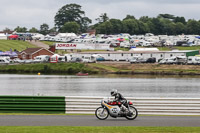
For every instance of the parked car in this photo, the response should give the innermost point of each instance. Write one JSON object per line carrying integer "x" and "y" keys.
{"x": 151, "y": 60}
{"x": 171, "y": 60}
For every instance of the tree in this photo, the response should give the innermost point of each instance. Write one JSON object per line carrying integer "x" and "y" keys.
{"x": 71, "y": 13}
{"x": 70, "y": 27}
{"x": 20, "y": 29}
{"x": 85, "y": 21}
{"x": 180, "y": 28}
{"x": 145, "y": 19}
{"x": 129, "y": 17}
{"x": 130, "y": 26}
{"x": 33, "y": 30}
{"x": 180, "y": 19}
{"x": 7, "y": 30}
{"x": 44, "y": 29}
{"x": 102, "y": 18}
{"x": 143, "y": 27}
{"x": 116, "y": 26}
{"x": 104, "y": 28}
{"x": 158, "y": 26}
{"x": 52, "y": 30}
{"x": 193, "y": 27}
{"x": 167, "y": 16}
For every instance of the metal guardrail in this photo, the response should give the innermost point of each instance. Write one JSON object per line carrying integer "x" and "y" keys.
{"x": 32, "y": 104}
{"x": 145, "y": 106}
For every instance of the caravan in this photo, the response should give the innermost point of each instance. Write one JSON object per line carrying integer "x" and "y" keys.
{"x": 4, "y": 60}
{"x": 89, "y": 59}
{"x": 193, "y": 60}
{"x": 41, "y": 58}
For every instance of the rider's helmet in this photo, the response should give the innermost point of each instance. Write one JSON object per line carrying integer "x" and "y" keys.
{"x": 113, "y": 92}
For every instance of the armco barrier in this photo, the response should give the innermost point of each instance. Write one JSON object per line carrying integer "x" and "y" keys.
{"x": 145, "y": 106}
{"x": 32, "y": 104}
{"x": 88, "y": 105}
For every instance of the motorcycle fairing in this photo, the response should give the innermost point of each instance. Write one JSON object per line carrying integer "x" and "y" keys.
{"x": 113, "y": 109}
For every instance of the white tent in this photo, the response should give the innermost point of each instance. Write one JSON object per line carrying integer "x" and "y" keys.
{"x": 66, "y": 35}
{"x": 3, "y": 36}
{"x": 38, "y": 36}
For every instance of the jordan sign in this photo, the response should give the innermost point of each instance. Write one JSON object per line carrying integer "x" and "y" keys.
{"x": 90, "y": 46}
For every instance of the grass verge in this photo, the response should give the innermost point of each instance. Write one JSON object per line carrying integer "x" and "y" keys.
{"x": 48, "y": 68}
{"x": 70, "y": 129}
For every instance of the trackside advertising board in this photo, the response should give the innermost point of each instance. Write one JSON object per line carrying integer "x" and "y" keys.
{"x": 92, "y": 46}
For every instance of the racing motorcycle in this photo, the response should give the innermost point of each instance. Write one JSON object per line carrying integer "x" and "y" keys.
{"x": 114, "y": 109}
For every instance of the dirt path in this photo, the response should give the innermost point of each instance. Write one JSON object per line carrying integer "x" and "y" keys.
{"x": 39, "y": 44}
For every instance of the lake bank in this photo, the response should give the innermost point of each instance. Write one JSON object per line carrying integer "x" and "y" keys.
{"x": 102, "y": 68}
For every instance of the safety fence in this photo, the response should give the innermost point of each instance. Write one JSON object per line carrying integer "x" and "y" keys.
{"x": 145, "y": 106}
{"x": 88, "y": 105}
{"x": 32, "y": 104}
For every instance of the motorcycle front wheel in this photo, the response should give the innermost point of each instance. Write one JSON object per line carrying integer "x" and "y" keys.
{"x": 101, "y": 113}
{"x": 134, "y": 113}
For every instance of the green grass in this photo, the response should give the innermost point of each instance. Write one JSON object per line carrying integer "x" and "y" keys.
{"x": 123, "y": 49}
{"x": 73, "y": 129}
{"x": 6, "y": 45}
{"x": 49, "y": 43}
{"x": 103, "y": 67}
{"x": 164, "y": 48}
{"x": 188, "y": 48}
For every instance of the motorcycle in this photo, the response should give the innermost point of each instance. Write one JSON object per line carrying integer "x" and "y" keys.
{"x": 115, "y": 109}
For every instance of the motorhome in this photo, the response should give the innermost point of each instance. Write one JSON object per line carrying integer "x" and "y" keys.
{"x": 89, "y": 59}
{"x": 4, "y": 60}
{"x": 193, "y": 60}
{"x": 174, "y": 60}
{"x": 42, "y": 58}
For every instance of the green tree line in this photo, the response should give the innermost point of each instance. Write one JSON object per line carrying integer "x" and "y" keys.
{"x": 163, "y": 24}
{"x": 71, "y": 18}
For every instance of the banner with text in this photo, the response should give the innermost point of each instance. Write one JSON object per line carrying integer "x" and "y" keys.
{"x": 92, "y": 46}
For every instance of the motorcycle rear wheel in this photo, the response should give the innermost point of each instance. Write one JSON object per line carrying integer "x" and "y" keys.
{"x": 101, "y": 113}
{"x": 134, "y": 115}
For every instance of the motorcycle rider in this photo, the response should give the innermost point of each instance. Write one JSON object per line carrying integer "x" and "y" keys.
{"x": 119, "y": 98}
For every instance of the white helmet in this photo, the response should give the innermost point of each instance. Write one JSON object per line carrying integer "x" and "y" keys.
{"x": 113, "y": 92}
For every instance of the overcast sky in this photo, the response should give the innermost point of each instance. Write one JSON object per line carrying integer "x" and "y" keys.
{"x": 33, "y": 13}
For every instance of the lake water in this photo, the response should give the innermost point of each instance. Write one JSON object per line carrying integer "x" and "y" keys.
{"x": 129, "y": 86}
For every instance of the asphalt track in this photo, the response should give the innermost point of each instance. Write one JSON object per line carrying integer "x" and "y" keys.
{"x": 89, "y": 120}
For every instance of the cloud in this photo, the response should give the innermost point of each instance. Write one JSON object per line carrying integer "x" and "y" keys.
{"x": 34, "y": 13}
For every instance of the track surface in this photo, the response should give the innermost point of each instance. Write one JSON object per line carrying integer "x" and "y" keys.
{"x": 87, "y": 120}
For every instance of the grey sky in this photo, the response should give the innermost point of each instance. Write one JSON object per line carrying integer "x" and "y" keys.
{"x": 33, "y": 13}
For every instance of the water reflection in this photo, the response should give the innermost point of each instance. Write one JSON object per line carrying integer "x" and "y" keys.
{"x": 129, "y": 85}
